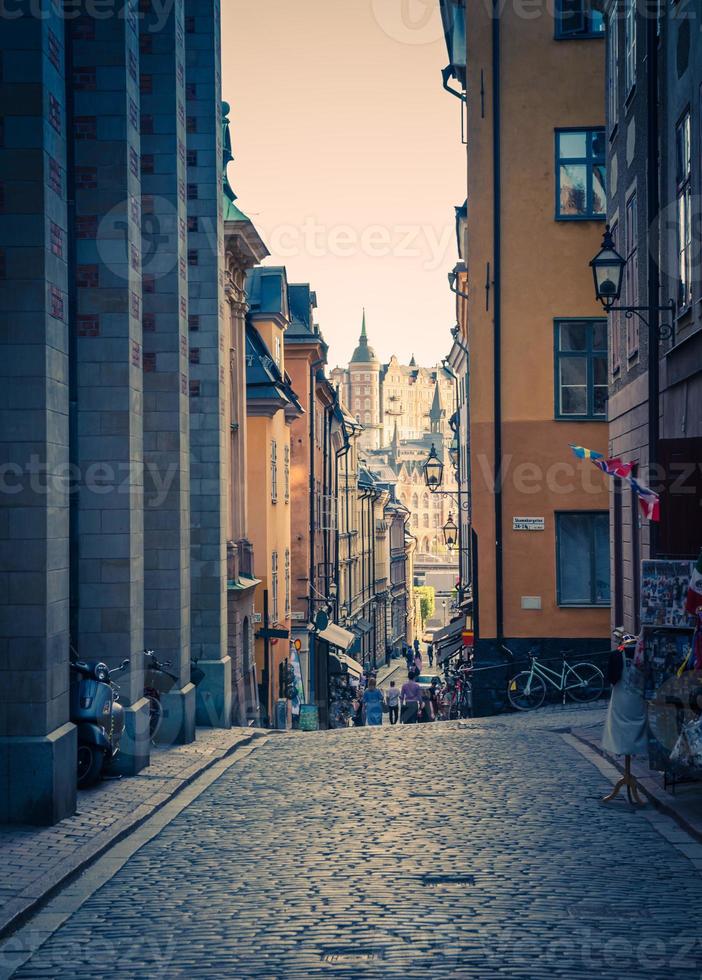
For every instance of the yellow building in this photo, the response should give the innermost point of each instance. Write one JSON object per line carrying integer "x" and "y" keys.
{"x": 271, "y": 406}
{"x": 537, "y": 342}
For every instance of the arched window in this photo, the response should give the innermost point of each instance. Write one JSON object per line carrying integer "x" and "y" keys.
{"x": 425, "y": 520}
{"x": 425, "y": 501}
{"x": 367, "y": 404}
{"x": 415, "y": 501}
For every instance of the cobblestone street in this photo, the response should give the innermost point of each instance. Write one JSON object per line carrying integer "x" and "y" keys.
{"x": 471, "y": 849}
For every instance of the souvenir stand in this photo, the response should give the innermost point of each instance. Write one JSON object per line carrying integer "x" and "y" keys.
{"x": 672, "y": 685}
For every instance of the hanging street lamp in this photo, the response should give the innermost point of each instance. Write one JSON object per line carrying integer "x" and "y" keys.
{"x": 608, "y": 274}
{"x": 433, "y": 470}
{"x": 450, "y": 530}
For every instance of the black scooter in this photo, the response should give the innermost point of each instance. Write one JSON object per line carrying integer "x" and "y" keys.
{"x": 97, "y": 714}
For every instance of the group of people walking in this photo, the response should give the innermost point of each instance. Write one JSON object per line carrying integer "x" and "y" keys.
{"x": 409, "y": 704}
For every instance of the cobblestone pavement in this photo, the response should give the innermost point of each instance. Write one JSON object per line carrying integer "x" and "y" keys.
{"x": 35, "y": 859}
{"x": 465, "y": 849}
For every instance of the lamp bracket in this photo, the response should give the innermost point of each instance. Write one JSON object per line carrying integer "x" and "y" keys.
{"x": 665, "y": 330}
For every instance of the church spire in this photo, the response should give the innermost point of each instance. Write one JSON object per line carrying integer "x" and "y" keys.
{"x": 437, "y": 413}
{"x": 364, "y": 335}
{"x": 363, "y": 353}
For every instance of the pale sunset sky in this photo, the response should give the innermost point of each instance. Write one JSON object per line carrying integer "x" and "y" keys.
{"x": 348, "y": 159}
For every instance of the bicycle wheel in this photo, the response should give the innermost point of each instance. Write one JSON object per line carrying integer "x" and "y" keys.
{"x": 584, "y": 682}
{"x": 526, "y": 691}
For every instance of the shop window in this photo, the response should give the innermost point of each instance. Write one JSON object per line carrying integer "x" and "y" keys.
{"x": 582, "y": 558}
{"x": 580, "y": 174}
{"x": 581, "y": 381}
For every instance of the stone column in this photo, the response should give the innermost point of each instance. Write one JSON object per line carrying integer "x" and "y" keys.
{"x": 165, "y": 331}
{"x": 108, "y": 528}
{"x": 208, "y": 363}
{"x": 37, "y": 743}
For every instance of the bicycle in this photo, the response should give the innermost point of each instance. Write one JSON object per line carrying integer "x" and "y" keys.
{"x": 582, "y": 682}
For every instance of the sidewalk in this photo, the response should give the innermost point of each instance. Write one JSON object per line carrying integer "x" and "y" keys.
{"x": 684, "y": 805}
{"x": 34, "y": 861}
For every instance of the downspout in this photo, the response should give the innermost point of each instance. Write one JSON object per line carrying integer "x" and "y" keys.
{"x": 497, "y": 319}
{"x": 653, "y": 204}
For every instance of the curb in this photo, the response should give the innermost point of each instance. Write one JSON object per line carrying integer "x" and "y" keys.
{"x": 655, "y": 794}
{"x": 15, "y": 912}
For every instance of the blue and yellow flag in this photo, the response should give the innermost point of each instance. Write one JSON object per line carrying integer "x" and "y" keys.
{"x": 582, "y": 453}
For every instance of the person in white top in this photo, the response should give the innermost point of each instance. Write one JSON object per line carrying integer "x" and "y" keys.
{"x": 392, "y": 699}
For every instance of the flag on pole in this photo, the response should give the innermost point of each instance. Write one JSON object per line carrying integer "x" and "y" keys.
{"x": 649, "y": 501}
{"x": 582, "y": 453}
{"x": 614, "y": 467}
{"x": 694, "y": 592}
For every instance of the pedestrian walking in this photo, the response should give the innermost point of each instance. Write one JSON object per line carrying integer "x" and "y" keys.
{"x": 411, "y": 698}
{"x": 373, "y": 703}
{"x": 408, "y": 656}
{"x": 430, "y": 654}
{"x": 392, "y": 699}
{"x": 418, "y": 663}
{"x": 416, "y": 645}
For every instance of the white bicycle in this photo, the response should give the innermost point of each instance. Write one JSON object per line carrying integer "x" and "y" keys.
{"x": 582, "y": 682}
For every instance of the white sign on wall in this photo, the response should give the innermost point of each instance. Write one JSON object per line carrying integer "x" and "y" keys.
{"x": 528, "y": 523}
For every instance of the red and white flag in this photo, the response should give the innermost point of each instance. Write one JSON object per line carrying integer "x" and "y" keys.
{"x": 694, "y": 592}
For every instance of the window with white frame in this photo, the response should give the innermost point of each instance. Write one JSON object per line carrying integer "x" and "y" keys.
{"x": 286, "y": 473}
{"x": 287, "y": 583}
{"x": 629, "y": 44}
{"x": 278, "y": 351}
{"x": 274, "y": 471}
{"x": 615, "y": 321}
{"x": 631, "y": 275}
{"x": 683, "y": 180}
{"x": 274, "y": 586}
{"x": 613, "y": 71}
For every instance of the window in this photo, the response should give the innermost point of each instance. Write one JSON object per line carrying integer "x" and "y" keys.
{"x": 575, "y": 18}
{"x": 631, "y": 276}
{"x": 581, "y": 369}
{"x": 286, "y": 473}
{"x": 274, "y": 471}
{"x": 278, "y": 351}
{"x": 287, "y": 583}
{"x": 629, "y": 45}
{"x": 683, "y": 179}
{"x": 615, "y": 319}
{"x": 580, "y": 168}
{"x": 425, "y": 520}
{"x": 274, "y": 587}
{"x": 582, "y": 557}
{"x": 613, "y": 72}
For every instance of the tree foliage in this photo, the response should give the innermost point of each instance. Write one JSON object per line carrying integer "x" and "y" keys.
{"x": 427, "y": 601}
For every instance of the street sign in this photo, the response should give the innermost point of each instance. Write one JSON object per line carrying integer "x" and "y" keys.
{"x": 258, "y": 618}
{"x": 296, "y": 615}
{"x": 528, "y": 524}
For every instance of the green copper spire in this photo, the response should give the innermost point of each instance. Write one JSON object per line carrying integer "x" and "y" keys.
{"x": 230, "y": 211}
{"x": 363, "y": 353}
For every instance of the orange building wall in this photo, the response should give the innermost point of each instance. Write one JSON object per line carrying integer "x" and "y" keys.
{"x": 545, "y": 275}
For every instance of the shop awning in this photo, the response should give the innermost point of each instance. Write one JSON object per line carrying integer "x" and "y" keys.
{"x": 337, "y": 636}
{"x": 449, "y": 640}
{"x": 340, "y": 662}
{"x": 362, "y": 626}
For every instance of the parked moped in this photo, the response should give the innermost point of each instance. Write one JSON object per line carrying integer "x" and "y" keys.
{"x": 97, "y": 714}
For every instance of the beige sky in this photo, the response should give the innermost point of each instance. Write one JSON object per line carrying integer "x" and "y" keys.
{"x": 348, "y": 158}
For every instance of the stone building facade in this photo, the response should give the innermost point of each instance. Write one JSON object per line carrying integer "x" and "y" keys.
{"x": 115, "y": 363}
{"x": 654, "y": 175}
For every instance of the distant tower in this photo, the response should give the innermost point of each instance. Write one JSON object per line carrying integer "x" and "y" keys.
{"x": 437, "y": 414}
{"x": 364, "y": 390}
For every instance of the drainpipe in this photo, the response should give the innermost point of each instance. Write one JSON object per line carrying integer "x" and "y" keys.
{"x": 497, "y": 317}
{"x": 653, "y": 203}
